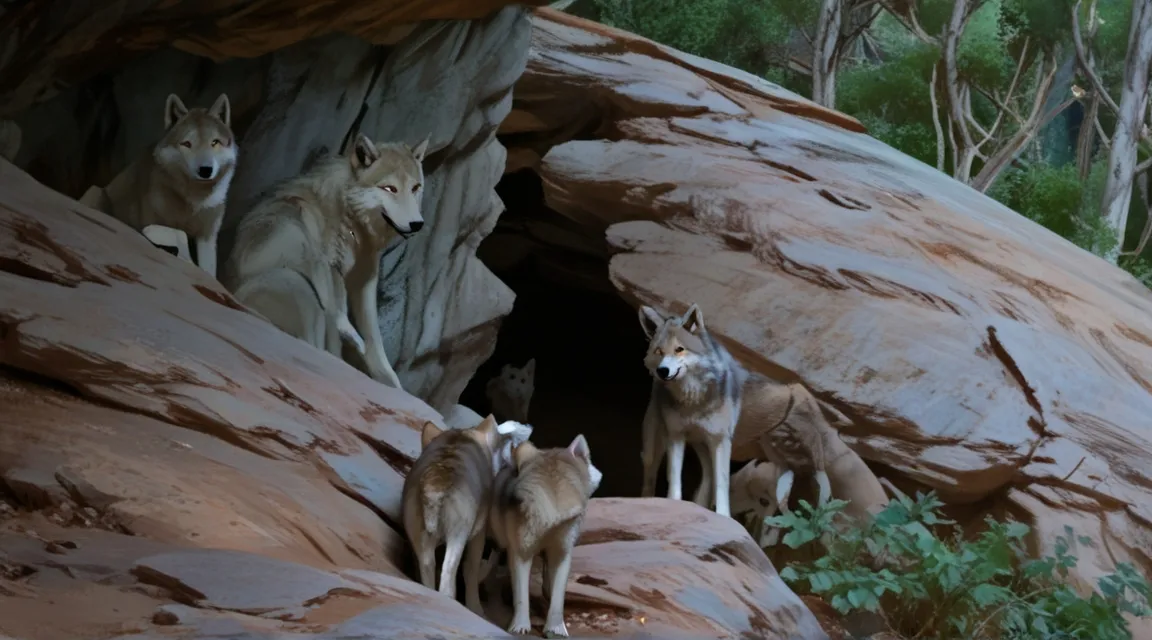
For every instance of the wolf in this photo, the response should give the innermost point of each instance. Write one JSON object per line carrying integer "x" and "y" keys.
{"x": 10, "y": 138}
{"x": 761, "y": 488}
{"x": 511, "y": 392}
{"x": 182, "y": 184}
{"x": 446, "y": 496}
{"x": 310, "y": 251}
{"x": 538, "y": 507}
{"x": 696, "y": 396}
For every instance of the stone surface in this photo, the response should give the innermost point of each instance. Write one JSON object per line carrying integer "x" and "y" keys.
{"x": 976, "y": 352}
{"x": 675, "y": 569}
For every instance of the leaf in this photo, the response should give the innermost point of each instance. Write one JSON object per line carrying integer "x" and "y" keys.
{"x": 788, "y": 574}
{"x": 986, "y": 595}
{"x": 1016, "y": 530}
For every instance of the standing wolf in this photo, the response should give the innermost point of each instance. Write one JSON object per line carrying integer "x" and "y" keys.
{"x": 696, "y": 397}
{"x": 178, "y": 191}
{"x": 446, "y": 497}
{"x": 538, "y": 507}
{"x": 761, "y": 488}
{"x": 311, "y": 250}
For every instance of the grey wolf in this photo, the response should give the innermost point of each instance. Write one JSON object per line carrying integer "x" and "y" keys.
{"x": 446, "y": 497}
{"x": 696, "y": 398}
{"x": 10, "y": 137}
{"x": 537, "y": 508}
{"x": 310, "y": 251}
{"x": 511, "y": 392}
{"x": 761, "y": 488}
{"x": 183, "y": 183}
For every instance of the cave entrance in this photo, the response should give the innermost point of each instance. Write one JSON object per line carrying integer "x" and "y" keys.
{"x": 587, "y": 342}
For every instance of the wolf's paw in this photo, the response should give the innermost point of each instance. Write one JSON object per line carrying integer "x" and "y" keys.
{"x": 558, "y": 630}
{"x": 348, "y": 332}
{"x": 520, "y": 627}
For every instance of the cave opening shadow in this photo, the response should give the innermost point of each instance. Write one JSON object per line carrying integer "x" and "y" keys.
{"x": 587, "y": 342}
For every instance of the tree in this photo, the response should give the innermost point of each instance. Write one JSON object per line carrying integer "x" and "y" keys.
{"x": 1132, "y": 121}
{"x": 835, "y": 33}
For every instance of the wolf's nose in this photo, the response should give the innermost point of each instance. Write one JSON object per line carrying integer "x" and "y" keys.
{"x": 204, "y": 172}
{"x": 415, "y": 226}
{"x": 662, "y": 372}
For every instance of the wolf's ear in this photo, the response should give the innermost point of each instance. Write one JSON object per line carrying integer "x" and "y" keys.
{"x": 693, "y": 320}
{"x": 364, "y": 152}
{"x": 744, "y": 470}
{"x": 419, "y": 150}
{"x": 530, "y": 369}
{"x": 579, "y": 448}
{"x": 487, "y": 427}
{"x": 174, "y": 109}
{"x": 429, "y": 433}
{"x": 523, "y": 454}
{"x": 650, "y": 320}
{"x": 222, "y": 109}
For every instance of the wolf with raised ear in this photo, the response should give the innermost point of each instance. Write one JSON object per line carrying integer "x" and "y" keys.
{"x": 538, "y": 507}
{"x": 308, "y": 255}
{"x": 511, "y": 392}
{"x": 177, "y": 192}
{"x": 696, "y": 396}
{"x": 446, "y": 498}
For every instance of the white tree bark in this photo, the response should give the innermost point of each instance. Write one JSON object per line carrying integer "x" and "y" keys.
{"x": 964, "y": 151}
{"x": 1129, "y": 123}
{"x": 824, "y": 54}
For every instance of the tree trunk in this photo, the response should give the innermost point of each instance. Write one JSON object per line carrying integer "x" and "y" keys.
{"x": 1086, "y": 141}
{"x": 824, "y": 53}
{"x": 964, "y": 152}
{"x": 1133, "y": 101}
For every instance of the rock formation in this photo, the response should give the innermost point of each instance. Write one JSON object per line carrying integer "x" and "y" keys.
{"x": 977, "y": 353}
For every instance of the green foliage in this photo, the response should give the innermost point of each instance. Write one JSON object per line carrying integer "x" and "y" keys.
{"x": 951, "y": 587}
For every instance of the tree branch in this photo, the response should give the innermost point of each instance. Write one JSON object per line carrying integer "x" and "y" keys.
{"x": 936, "y": 120}
{"x": 1082, "y": 58}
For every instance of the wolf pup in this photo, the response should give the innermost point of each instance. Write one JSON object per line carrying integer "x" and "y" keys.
{"x": 761, "y": 488}
{"x": 538, "y": 508}
{"x": 183, "y": 184}
{"x": 310, "y": 252}
{"x": 696, "y": 397}
{"x": 511, "y": 392}
{"x": 10, "y": 137}
{"x": 446, "y": 497}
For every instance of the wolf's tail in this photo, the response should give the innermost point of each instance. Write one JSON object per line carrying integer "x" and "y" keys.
{"x": 433, "y": 504}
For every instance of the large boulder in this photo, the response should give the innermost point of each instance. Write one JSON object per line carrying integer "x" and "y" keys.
{"x": 976, "y": 353}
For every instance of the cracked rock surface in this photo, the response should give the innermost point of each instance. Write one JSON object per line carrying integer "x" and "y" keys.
{"x": 977, "y": 353}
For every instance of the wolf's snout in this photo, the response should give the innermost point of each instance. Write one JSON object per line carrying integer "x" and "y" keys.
{"x": 663, "y": 372}
{"x": 415, "y": 226}
{"x": 205, "y": 172}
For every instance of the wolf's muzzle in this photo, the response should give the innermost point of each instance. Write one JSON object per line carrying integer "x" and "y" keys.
{"x": 413, "y": 226}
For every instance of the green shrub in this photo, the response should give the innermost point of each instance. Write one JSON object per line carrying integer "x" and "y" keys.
{"x": 956, "y": 588}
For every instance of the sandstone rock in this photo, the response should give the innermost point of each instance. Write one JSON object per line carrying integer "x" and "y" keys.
{"x": 675, "y": 569}
{"x": 977, "y": 353}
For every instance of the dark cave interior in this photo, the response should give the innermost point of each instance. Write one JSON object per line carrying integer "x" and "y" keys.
{"x": 587, "y": 341}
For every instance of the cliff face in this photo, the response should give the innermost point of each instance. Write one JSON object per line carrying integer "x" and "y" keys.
{"x": 977, "y": 353}
{"x": 173, "y": 467}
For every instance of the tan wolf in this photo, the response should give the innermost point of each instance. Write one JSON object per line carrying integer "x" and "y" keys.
{"x": 538, "y": 508}
{"x": 761, "y": 488}
{"x": 182, "y": 184}
{"x": 446, "y": 497}
{"x": 310, "y": 251}
{"x": 511, "y": 392}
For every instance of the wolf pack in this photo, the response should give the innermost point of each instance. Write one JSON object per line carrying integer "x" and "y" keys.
{"x": 306, "y": 258}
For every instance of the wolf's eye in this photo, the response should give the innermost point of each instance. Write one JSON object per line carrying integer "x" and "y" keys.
{"x": 659, "y": 352}
{"x": 415, "y": 187}
{"x": 187, "y": 144}
{"x": 389, "y": 188}
{"x": 679, "y": 349}
{"x": 216, "y": 143}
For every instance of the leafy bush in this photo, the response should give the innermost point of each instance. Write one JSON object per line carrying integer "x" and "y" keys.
{"x": 952, "y": 587}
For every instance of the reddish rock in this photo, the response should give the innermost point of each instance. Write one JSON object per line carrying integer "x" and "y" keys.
{"x": 977, "y": 353}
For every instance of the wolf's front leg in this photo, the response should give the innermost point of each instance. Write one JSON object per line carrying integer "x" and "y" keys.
{"x": 675, "y": 465}
{"x": 169, "y": 237}
{"x": 206, "y": 253}
{"x": 721, "y": 457}
{"x": 362, "y": 290}
{"x": 652, "y": 446}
